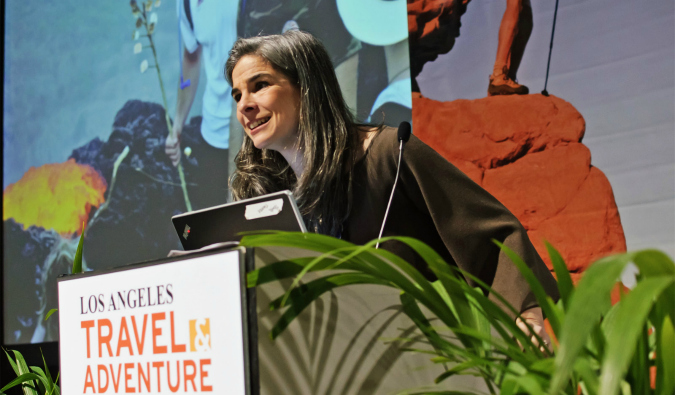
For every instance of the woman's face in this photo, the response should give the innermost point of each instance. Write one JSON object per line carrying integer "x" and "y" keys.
{"x": 268, "y": 104}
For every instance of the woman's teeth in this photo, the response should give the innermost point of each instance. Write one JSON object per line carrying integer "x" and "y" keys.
{"x": 257, "y": 123}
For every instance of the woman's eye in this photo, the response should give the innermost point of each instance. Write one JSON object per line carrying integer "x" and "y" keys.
{"x": 237, "y": 97}
{"x": 260, "y": 85}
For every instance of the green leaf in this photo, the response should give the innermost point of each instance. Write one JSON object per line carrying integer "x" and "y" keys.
{"x": 626, "y": 388}
{"x": 482, "y": 324}
{"x": 452, "y": 292}
{"x": 412, "y": 310}
{"x": 408, "y": 279}
{"x": 313, "y": 289}
{"x": 50, "y": 312}
{"x": 589, "y": 375}
{"x": 493, "y": 310}
{"x": 508, "y": 387}
{"x": 439, "y": 359}
{"x": 565, "y": 285}
{"x": 446, "y": 277}
{"x": 47, "y": 374}
{"x": 56, "y": 389}
{"x": 351, "y": 251}
{"x": 623, "y": 336}
{"x": 459, "y": 369}
{"x": 77, "y": 262}
{"x": 308, "y": 241}
{"x": 513, "y": 352}
{"x": 12, "y": 363}
{"x": 23, "y": 378}
{"x": 284, "y": 269}
{"x": 45, "y": 383}
{"x": 376, "y": 262}
{"x": 498, "y": 317}
{"x": 300, "y": 298}
{"x": 598, "y": 341}
{"x": 528, "y": 382}
{"x": 665, "y": 359}
{"x": 443, "y": 393}
{"x": 652, "y": 263}
{"x": 371, "y": 259}
{"x": 535, "y": 286}
{"x": 587, "y": 304}
{"x": 42, "y": 382}
{"x": 23, "y": 369}
{"x": 544, "y": 366}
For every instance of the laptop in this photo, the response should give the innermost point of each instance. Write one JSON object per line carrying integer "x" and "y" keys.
{"x": 220, "y": 224}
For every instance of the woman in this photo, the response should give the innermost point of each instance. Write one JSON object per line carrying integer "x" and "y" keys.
{"x": 301, "y": 136}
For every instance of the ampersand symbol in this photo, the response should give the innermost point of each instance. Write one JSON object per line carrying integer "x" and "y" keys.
{"x": 202, "y": 340}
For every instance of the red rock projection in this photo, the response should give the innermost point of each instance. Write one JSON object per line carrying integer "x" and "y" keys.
{"x": 527, "y": 152}
{"x": 433, "y": 26}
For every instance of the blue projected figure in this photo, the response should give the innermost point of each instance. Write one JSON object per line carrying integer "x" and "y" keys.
{"x": 207, "y": 29}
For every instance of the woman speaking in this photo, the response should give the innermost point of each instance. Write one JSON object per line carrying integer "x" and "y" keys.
{"x": 301, "y": 136}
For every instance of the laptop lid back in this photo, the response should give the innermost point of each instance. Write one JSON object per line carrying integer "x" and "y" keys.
{"x": 276, "y": 211}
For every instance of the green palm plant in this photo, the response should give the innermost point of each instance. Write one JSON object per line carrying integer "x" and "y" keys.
{"x": 603, "y": 349}
{"x": 33, "y": 380}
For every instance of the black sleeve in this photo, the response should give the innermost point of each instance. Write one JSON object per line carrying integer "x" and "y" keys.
{"x": 467, "y": 218}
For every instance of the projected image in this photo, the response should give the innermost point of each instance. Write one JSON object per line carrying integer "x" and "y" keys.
{"x": 370, "y": 54}
{"x": 523, "y": 97}
{"x": 117, "y": 117}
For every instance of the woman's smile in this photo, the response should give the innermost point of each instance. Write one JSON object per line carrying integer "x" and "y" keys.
{"x": 253, "y": 126}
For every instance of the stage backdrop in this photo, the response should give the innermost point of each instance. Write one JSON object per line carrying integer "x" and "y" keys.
{"x": 591, "y": 167}
{"x": 87, "y": 90}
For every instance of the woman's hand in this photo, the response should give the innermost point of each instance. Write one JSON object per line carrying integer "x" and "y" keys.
{"x": 535, "y": 319}
{"x": 175, "y": 253}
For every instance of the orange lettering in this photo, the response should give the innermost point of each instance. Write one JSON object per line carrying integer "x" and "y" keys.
{"x": 175, "y": 347}
{"x": 190, "y": 376}
{"x": 102, "y": 389}
{"x": 89, "y": 381}
{"x": 104, "y": 339}
{"x": 116, "y": 384}
{"x": 157, "y": 332}
{"x": 124, "y": 340}
{"x": 204, "y": 374}
{"x": 87, "y": 325}
{"x": 173, "y": 388}
{"x": 140, "y": 343}
{"x": 127, "y": 377}
{"x": 158, "y": 365}
{"x": 146, "y": 379}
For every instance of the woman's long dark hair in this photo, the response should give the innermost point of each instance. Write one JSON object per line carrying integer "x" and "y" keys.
{"x": 328, "y": 134}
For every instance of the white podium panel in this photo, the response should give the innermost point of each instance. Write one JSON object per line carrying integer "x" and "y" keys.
{"x": 167, "y": 327}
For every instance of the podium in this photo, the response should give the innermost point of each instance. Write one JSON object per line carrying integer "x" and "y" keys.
{"x": 188, "y": 325}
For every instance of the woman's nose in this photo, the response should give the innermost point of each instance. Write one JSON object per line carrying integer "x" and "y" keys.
{"x": 246, "y": 104}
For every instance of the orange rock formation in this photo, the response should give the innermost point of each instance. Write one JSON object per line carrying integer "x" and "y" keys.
{"x": 527, "y": 152}
{"x": 433, "y": 26}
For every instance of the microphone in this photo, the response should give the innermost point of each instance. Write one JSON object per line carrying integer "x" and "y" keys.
{"x": 404, "y": 131}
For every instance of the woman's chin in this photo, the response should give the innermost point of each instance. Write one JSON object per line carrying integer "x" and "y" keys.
{"x": 260, "y": 144}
